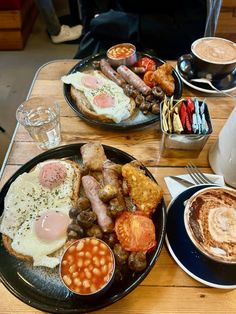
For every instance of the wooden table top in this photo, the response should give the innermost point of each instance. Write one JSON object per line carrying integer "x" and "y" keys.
{"x": 167, "y": 288}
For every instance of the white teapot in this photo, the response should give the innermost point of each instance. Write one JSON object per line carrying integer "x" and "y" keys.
{"x": 222, "y": 155}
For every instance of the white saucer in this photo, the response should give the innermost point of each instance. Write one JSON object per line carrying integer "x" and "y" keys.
{"x": 205, "y": 90}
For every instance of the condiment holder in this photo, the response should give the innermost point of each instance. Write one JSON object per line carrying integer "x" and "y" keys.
{"x": 180, "y": 136}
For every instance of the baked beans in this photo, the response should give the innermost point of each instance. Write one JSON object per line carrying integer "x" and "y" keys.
{"x": 120, "y": 52}
{"x": 87, "y": 266}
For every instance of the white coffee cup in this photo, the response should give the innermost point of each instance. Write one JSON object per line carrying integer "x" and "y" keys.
{"x": 222, "y": 155}
{"x": 210, "y": 57}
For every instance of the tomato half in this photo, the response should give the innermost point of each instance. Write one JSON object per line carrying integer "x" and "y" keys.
{"x": 147, "y": 63}
{"x": 148, "y": 79}
{"x": 135, "y": 232}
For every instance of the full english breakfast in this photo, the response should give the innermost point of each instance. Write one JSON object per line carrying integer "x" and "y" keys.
{"x": 113, "y": 93}
{"x": 60, "y": 201}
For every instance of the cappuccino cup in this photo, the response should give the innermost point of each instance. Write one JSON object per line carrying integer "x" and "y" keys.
{"x": 210, "y": 57}
{"x": 210, "y": 222}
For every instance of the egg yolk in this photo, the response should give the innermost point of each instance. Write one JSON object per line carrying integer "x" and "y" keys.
{"x": 52, "y": 174}
{"x": 91, "y": 81}
{"x": 104, "y": 101}
{"x": 51, "y": 225}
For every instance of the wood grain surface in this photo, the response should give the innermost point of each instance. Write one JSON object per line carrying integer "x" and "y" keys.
{"x": 167, "y": 289}
{"x": 226, "y": 27}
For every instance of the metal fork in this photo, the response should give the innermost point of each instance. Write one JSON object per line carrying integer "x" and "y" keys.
{"x": 196, "y": 174}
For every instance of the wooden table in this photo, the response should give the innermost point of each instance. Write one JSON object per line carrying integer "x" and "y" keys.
{"x": 167, "y": 288}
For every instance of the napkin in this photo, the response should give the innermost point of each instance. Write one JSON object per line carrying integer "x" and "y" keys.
{"x": 176, "y": 188}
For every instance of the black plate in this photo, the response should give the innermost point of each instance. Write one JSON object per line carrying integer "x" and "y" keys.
{"x": 194, "y": 263}
{"x": 43, "y": 289}
{"x": 138, "y": 119}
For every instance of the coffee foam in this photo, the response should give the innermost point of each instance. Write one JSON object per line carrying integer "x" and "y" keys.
{"x": 222, "y": 224}
{"x": 215, "y": 50}
{"x": 211, "y": 223}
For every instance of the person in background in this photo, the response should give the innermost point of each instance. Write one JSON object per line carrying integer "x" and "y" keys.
{"x": 165, "y": 28}
{"x": 58, "y": 33}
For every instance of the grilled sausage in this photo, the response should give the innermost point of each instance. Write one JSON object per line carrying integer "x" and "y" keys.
{"x": 133, "y": 79}
{"x": 112, "y": 175}
{"x": 109, "y": 72}
{"x": 91, "y": 188}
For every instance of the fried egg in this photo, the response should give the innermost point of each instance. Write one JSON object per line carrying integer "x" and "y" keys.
{"x": 104, "y": 96}
{"x": 36, "y": 213}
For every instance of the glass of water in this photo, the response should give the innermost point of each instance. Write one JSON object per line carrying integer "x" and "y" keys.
{"x": 41, "y": 118}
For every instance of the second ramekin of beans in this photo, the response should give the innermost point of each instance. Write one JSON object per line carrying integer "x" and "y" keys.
{"x": 87, "y": 267}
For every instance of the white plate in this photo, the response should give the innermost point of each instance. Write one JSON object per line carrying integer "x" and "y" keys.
{"x": 205, "y": 90}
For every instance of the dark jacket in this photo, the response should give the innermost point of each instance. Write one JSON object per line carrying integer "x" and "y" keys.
{"x": 166, "y": 27}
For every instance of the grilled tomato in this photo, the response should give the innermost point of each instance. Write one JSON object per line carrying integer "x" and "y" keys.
{"x": 135, "y": 232}
{"x": 146, "y": 63}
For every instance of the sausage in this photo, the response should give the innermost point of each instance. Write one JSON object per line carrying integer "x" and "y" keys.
{"x": 88, "y": 151}
{"x": 133, "y": 79}
{"x": 112, "y": 176}
{"x": 109, "y": 72}
{"x": 91, "y": 188}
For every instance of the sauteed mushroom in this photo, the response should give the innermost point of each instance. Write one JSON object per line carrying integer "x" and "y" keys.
{"x": 137, "y": 261}
{"x": 95, "y": 231}
{"x": 75, "y": 231}
{"x": 107, "y": 193}
{"x": 110, "y": 239}
{"x": 73, "y": 212}
{"x": 121, "y": 255}
{"x": 83, "y": 203}
{"x": 86, "y": 218}
{"x": 155, "y": 108}
{"x": 158, "y": 92}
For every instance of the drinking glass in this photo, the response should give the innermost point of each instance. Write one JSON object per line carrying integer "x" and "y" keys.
{"x": 41, "y": 118}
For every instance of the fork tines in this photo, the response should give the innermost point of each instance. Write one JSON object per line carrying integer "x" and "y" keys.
{"x": 196, "y": 174}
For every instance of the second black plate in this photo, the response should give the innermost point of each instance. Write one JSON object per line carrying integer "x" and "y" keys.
{"x": 138, "y": 119}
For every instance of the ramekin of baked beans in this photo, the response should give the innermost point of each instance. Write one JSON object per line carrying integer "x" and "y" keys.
{"x": 124, "y": 53}
{"x": 87, "y": 266}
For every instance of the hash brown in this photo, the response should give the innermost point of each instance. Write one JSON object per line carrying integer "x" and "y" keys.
{"x": 145, "y": 193}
